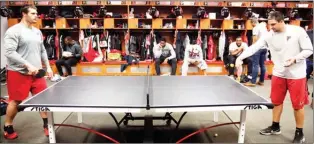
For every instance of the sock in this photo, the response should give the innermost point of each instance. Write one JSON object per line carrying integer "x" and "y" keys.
{"x": 45, "y": 122}
{"x": 275, "y": 125}
{"x": 299, "y": 130}
{"x": 9, "y": 129}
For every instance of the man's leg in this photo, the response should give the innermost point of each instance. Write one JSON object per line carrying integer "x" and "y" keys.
{"x": 299, "y": 98}
{"x": 185, "y": 67}
{"x": 231, "y": 60}
{"x": 203, "y": 66}
{"x": 278, "y": 93}
{"x": 59, "y": 64}
{"x": 11, "y": 112}
{"x": 18, "y": 86}
{"x": 68, "y": 64}
{"x": 254, "y": 66}
{"x": 173, "y": 64}
{"x": 262, "y": 60}
{"x": 248, "y": 61}
{"x": 39, "y": 85}
{"x": 177, "y": 49}
{"x": 158, "y": 61}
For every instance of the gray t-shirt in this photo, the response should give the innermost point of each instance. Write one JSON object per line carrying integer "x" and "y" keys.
{"x": 24, "y": 45}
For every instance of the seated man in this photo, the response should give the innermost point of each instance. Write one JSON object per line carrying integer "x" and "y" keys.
{"x": 164, "y": 53}
{"x": 235, "y": 49}
{"x": 193, "y": 55}
{"x": 70, "y": 57}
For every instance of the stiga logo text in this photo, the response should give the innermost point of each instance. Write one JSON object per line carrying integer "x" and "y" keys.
{"x": 249, "y": 107}
{"x": 40, "y": 109}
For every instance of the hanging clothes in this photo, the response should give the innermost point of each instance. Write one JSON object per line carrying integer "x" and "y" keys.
{"x": 100, "y": 56}
{"x": 205, "y": 47}
{"x": 57, "y": 46}
{"x": 211, "y": 48}
{"x": 222, "y": 41}
{"x": 61, "y": 46}
{"x": 228, "y": 40}
{"x": 244, "y": 38}
{"x": 90, "y": 53}
{"x": 179, "y": 46}
{"x": 103, "y": 40}
{"x": 186, "y": 43}
{"x": 126, "y": 42}
{"x": 50, "y": 46}
{"x": 151, "y": 46}
{"x": 81, "y": 37}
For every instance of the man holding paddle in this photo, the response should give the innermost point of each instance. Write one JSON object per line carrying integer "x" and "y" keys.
{"x": 25, "y": 53}
{"x": 290, "y": 46}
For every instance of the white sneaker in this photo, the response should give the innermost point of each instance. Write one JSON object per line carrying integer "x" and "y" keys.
{"x": 170, "y": 25}
{"x": 56, "y": 78}
{"x": 166, "y": 25}
{"x": 166, "y": 74}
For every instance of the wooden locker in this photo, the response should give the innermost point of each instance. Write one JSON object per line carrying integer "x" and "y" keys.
{"x": 181, "y": 23}
{"x": 61, "y": 23}
{"x": 205, "y": 24}
{"x": 12, "y": 21}
{"x": 133, "y": 23}
{"x": 227, "y": 24}
{"x": 109, "y": 23}
{"x": 295, "y": 22}
{"x": 38, "y": 24}
{"x": 248, "y": 25}
{"x": 157, "y": 23}
{"x": 85, "y": 23}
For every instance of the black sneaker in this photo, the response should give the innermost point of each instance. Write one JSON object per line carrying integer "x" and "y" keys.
{"x": 9, "y": 132}
{"x": 299, "y": 137}
{"x": 270, "y": 131}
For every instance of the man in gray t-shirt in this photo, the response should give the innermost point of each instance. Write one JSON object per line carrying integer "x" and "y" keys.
{"x": 25, "y": 53}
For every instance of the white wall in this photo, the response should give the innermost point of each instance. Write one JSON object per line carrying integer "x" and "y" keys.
{"x": 4, "y": 27}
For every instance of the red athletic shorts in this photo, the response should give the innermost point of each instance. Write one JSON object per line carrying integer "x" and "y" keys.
{"x": 20, "y": 85}
{"x": 297, "y": 89}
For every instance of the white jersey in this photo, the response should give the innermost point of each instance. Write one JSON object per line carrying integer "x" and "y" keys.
{"x": 221, "y": 45}
{"x": 193, "y": 52}
{"x": 293, "y": 42}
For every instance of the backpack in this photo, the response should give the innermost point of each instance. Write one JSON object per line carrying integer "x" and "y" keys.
{"x": 3, "y": 106}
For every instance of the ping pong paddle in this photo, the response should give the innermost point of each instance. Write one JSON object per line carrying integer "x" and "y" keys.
{"x": 41, "y": 73}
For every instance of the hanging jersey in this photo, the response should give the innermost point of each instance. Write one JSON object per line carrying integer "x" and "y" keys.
{"x": 211, "y": 48}
{"x": 194, "y": 52}
{"x": 222, "y": 41}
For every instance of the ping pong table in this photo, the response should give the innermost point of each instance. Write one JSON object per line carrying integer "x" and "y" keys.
{"x": 145, "y": 94}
